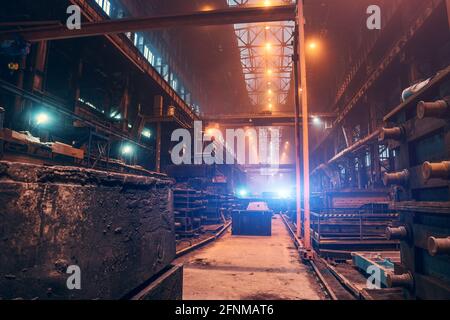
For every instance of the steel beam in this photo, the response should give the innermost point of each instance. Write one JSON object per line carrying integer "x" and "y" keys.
{"x": 276, "y": 118}
{"x": 196, "y": 19}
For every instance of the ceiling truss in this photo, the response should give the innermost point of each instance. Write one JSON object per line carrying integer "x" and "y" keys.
{"x": 266, "y": 55}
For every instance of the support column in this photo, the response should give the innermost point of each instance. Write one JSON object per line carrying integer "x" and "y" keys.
{"x": 39, "y": 66}
{"x": 448, "y": 12}
{"x": 76, "y": 81}
{"x": 297, "y": 136}
{"x": 125, "y": 104}
{"x": 18, "y": 101}
{"x": 158, "y": 147}
{"x": 362, "y": 172}
{"x": 2, "y": 117}
{"x": 158, "y": 112}
{"x": 305, "y": 122}
{"x": 375, "y": 149}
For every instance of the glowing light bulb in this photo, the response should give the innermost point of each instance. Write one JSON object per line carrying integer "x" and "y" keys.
{"x": 313, "y": 45}
{"x": 242, "y": 192}
{"x": 206, "y": 8}
{"x": 146, "y": 133}
{"x": 42, "y": 118}
{"x": 127, "y": 149}
{"x": 317, "y": 121}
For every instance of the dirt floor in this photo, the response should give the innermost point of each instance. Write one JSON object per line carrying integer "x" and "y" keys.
{"x": 249, "y": 268}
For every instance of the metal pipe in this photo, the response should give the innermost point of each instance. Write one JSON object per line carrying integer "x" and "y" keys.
{"x": 396, "y": 178}
{"x": 396, "y": 133}
{"x": 438, "y": 246}
{"x": 404, "y": 280}
{"x": 436, "y": 170}
{"x": 397, "y": 233}
{"x": 435, "y": 109}
{"x": 355, "y": 147}
{"x": 204, "y": 18}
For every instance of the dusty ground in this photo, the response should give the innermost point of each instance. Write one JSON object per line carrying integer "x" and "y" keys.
{"x": 234, "y": 268}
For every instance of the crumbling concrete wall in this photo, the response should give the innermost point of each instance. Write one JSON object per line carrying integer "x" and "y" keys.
{"x": 119, "y": 229}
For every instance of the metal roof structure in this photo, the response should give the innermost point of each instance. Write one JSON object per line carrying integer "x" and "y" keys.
{"x": 266, "y": 55}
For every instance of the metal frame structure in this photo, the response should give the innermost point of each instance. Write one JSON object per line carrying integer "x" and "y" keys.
{"x": 266, "y": 55}
{"x": 270, "y": 119}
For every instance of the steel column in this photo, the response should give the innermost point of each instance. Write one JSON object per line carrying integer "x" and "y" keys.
{"x": 448, "y": 12}
{"x": 2, "y": 115}
{"x": 158, "y": 147}
{"x": 304, "y": 99}
{"x": 297, "y": 135}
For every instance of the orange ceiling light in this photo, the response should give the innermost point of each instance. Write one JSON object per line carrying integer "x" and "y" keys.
{"x": 206, "y": 7}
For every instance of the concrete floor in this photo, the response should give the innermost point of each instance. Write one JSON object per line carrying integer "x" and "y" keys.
{"x": 249, "y": 268}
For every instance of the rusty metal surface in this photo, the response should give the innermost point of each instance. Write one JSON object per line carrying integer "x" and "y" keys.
{"x": 117, "y": 228}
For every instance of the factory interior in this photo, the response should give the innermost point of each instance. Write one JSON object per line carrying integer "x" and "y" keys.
{"x": 225, "y": 150}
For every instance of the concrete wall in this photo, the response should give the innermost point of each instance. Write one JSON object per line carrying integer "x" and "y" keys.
{"x": 117, "y": 228}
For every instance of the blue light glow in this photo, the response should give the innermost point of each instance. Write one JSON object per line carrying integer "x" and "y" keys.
{"x": 242, "y": 192}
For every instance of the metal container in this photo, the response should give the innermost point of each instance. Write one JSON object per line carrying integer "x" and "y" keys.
{"x": 252, "y": 223}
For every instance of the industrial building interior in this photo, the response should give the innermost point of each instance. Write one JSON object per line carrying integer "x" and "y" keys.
{"x": 225, "y": 150}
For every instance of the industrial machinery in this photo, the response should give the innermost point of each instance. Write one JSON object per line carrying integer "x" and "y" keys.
{"x": 418, "y": 132}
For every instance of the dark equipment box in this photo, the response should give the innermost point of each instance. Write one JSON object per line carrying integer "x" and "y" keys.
{"x": 252, "y": 223}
